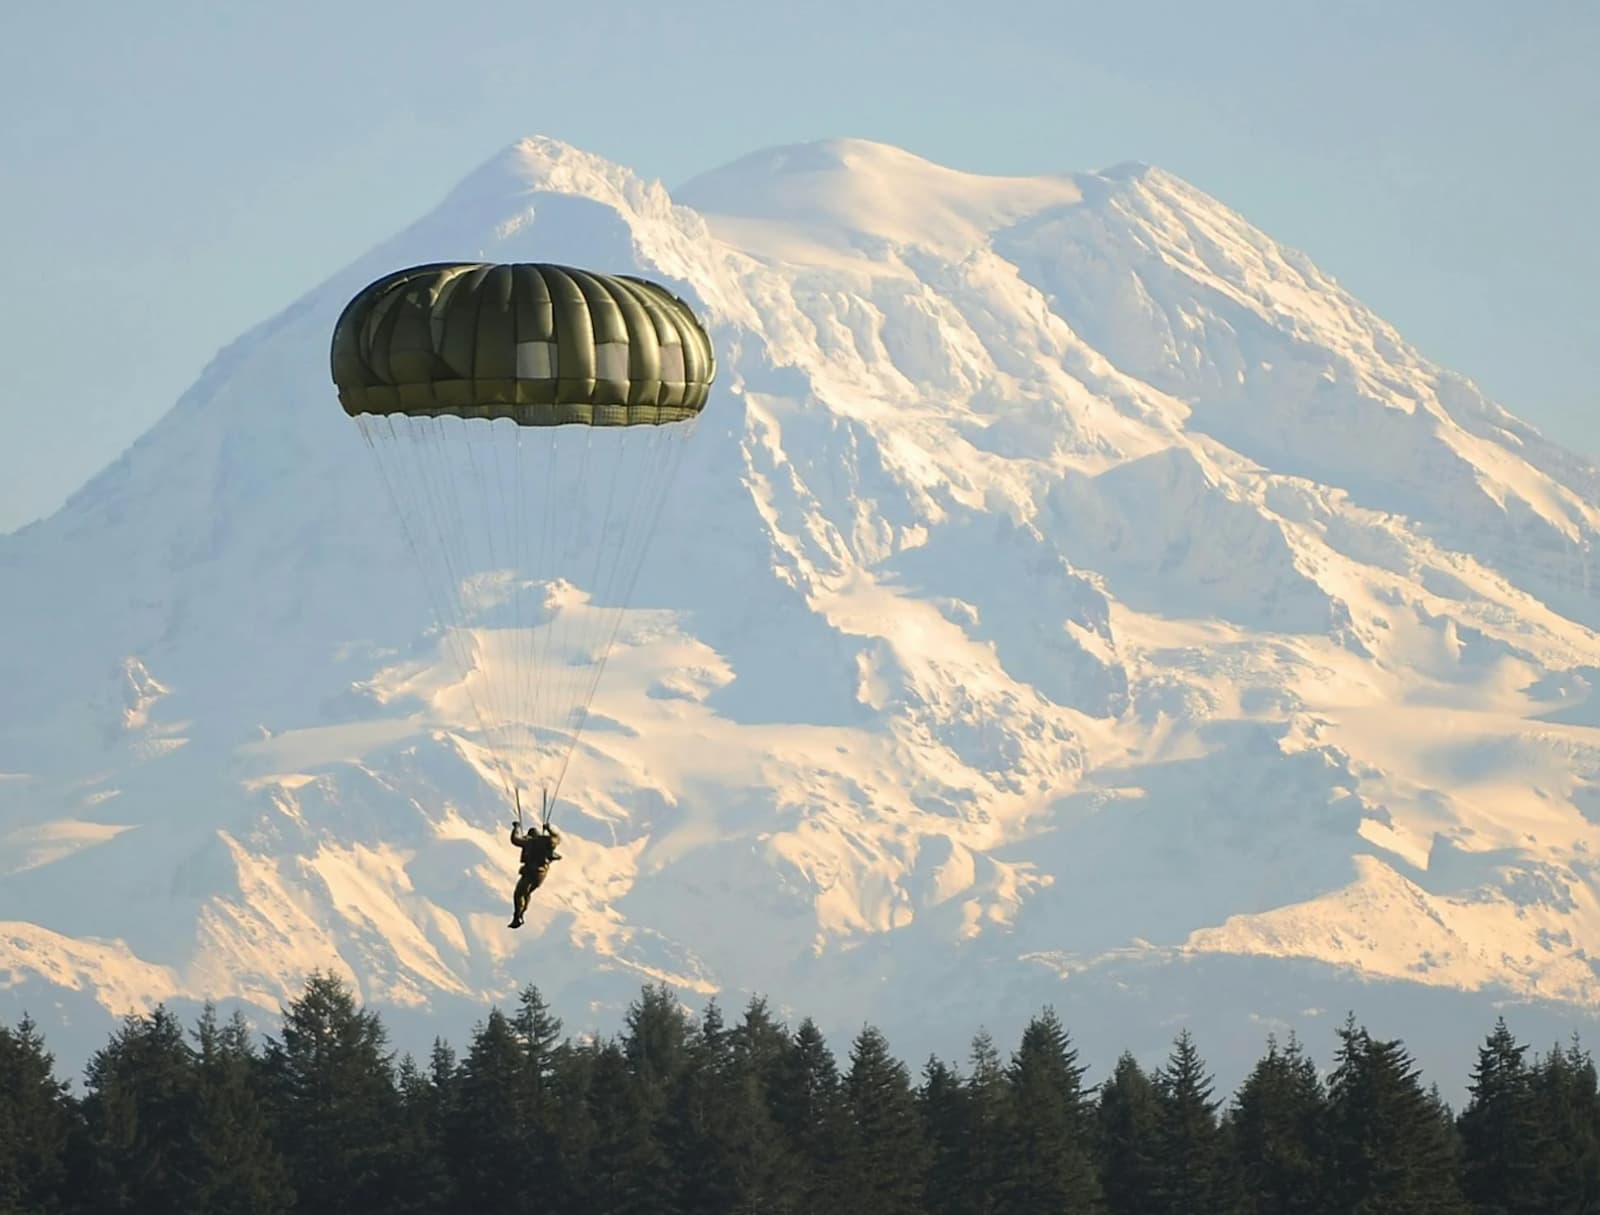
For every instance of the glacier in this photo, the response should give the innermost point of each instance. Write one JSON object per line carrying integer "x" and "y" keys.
{"x": 1071, "y": 596}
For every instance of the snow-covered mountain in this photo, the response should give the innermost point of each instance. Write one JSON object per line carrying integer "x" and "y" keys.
{"x": 1070, "y": 595}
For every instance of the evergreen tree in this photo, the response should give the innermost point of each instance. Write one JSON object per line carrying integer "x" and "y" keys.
{"x": 808, "y": 1107}
{"x": 37, "y": 1121}
{"x": 656, "y": 1041}
{"x": 331, "y": 1080}
{"x": 656, "y": 1045}
{"x": 992, "y": 1115}
{"x": 763, "y": 1167}
{"x": 761, "y": 1041}
{"x": 1276, "y": 1129}
{"x": 574, "y": 1136}
{"x": 444, "y": 1099}
{"x": 760, "y": 1050}
{"x": 1127, "y": 1127}
{"x": 142, "y": 1116}
{"x": 1500, "y": 1132}
{"x": 725, "y": 1153}
{"x": 423, "y": 1181}
{"x": 243, "y": 1172}
{"x": 539, "y": 1031}
{"x": 627, "y": 1169}
{"x": 946, "y": 1123}
{"x": 1049, "y": 1163}
{"x": 884, "y": 1151}
{"x": 1567, "y": 1109}
{"x": 695, "y": 1126}
{"x": 497, "y": 1137}
{"x": 1392, "y": 1151}
{"x": 1189, "y": 1158}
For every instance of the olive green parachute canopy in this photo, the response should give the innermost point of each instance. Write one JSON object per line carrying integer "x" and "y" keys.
{"x": 543, "y": 345}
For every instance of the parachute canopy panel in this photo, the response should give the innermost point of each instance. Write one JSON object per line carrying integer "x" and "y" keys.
{"x": 543, "y": 345}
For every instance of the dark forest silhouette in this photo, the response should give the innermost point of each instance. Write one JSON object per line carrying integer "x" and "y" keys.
{"x": 692, "y": 1114}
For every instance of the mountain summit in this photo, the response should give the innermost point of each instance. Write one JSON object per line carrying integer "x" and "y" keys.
{"x": 1071, "y": 595}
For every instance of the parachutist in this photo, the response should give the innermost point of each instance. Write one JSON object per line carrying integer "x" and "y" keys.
{"x": 538, "y": 850}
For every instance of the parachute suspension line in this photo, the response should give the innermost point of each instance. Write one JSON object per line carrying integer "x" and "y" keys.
{"x": 549, "y": 495}
{"x": 436, "y": 462}
{"x": 605, "y": 641}
{"x": 519, "y": 568}
{"x": 541, "y": 501}
{"x": 441, "y": 481}
{"x": 585, "y": 630}
{"x": 567, "y": 509}
{"x": 583, "y": 539}
{"x": 500, "y": 712}
{"x": 586, "y": 634}
{"x": 535, "y": 673}
{"x": 450, "y": 641}
{"x": 675, "y": 438}
{"x": 507, "y": 567}
{"x": 607, "y": 533}
{"x": 536, "y": 492}
{"x": 508, "y": 483}
{"x": 494, "y": 579}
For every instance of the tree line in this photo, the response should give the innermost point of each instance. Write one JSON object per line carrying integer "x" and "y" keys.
{"x": 694, "y": 1115}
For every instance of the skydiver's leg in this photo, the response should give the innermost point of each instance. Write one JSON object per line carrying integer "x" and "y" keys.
{"x": 519, "y": 900}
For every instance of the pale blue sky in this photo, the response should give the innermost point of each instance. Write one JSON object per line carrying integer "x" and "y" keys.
{"x": 180, "y": 169}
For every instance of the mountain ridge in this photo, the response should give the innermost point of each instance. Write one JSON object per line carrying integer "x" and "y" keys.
{"x": 1043, "y": 589}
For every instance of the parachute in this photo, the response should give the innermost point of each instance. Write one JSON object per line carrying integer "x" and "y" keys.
{"x": 527, "y": 421}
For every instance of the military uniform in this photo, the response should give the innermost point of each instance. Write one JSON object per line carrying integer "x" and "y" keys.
{"x": 538, "y": 850}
